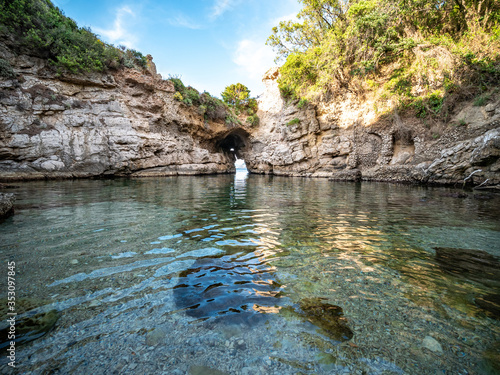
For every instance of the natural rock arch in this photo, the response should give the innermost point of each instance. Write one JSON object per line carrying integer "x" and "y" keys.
{"x": 235, "y": 143}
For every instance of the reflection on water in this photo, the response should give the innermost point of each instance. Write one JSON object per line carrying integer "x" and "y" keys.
{"x": 239, "y": 285}
{"x": 255, "y": 274}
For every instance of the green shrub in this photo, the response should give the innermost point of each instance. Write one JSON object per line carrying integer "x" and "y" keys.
{"x": 5, "y": 69}
{"x": 216, "y": 109}
{"x": 42, "y": 30}
{"x": 253, "y": 120}
{"x": 231, "y": 119}
{"x": 178, "y": 85}
{"x": 481, "y": 100}
{"x": 302, "y": 103}
{"x": 178, "y": 96}
{"x": 191, "y": 96}
{"x": 293, "y": 122}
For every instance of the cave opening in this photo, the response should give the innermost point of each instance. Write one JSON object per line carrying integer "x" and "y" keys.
{"x": 234, "y": 145}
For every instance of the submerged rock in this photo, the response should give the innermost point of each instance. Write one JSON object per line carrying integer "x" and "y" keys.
{"x": 432, "y": 344}
{"x": 29, "y": 326}
{"x": 329, "y": 318}
{"x": 470, "y": 264}
{"x": 6, "y": 204}
{"x": 491, "y": 304}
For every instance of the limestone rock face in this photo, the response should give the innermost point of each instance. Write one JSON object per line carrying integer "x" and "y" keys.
{"x": 347, "y": 140}
{"x": 126, "y": 123}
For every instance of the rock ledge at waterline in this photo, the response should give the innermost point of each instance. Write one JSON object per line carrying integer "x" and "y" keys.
{"x": 129, "y": 124}
{"x": 347, "y": 140}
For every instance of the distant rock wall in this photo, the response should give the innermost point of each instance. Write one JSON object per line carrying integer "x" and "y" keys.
{"x": 126, "y": 123}
{"x": 129, "y": 124}
{"x": 346, "y": 140}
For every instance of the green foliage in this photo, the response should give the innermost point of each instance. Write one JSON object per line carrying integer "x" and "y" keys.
{"x": 236, "y": 95}
{"x": 191, "y": 96}
{"x": 297, "y": 74}
{"x": 232, "y": 119}
{"x": 188, "y": 95}
{"x": 43, "y": 30}
{"x": 293, "y": 122}
{"x": 251, "y": 106}
{"x": 253, "y": 120}
{"x": 5, "y": 69}
{"x": 302, "y": 103}
{"x": 178, "y": 96}
{"x": 132, "y": 58}
{"x": 210, "y": 107}
{"x": 178, "y": 85}
{"x": 428, "y": 105}
{"x": 339, "y": 46}
{"x": 216, "y": 109}
{"x": 481, "y": 100}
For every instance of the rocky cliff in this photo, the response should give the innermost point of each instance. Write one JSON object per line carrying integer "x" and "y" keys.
{"x": 125, "y": 123}
{"x": 349, "y": 140}
{"x": 128, "y": 123}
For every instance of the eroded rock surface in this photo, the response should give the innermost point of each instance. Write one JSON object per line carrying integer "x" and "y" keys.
{"x": 128, "y": 123}
{"x": 125, "y": 123}
{"x": 348, "y": 140}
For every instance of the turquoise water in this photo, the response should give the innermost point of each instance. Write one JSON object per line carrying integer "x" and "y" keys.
{"x": 252, "y": 274}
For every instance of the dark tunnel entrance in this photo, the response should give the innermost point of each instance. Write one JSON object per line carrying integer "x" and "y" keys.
{"x": 234, "y": 144}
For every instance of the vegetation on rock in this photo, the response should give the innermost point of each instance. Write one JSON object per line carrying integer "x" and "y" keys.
{"x": 236, "y": 94}
{"x": 238, "y": 97}
{"x": 421, "y": 55}
{"x": 210, "y": 107}
{"x": 38, "y": 28}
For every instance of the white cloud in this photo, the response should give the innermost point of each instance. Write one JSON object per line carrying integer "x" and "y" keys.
{"x": 119, "y": 33}
{"x": 288, "y": 17}
{"x": 183, "y": 21}
{"x": 255, "y": 58}
{"x": 220, "y": 7}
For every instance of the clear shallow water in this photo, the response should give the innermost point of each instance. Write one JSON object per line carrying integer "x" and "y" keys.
{"x": 253, "y": 274}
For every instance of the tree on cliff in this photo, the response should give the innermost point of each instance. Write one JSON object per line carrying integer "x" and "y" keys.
{"x": 391, "y": 47}
{"x": 236, "y": 94}
{"x": 38, "y": 28}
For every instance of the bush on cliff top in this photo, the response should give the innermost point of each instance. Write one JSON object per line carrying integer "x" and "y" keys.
{"x": 38, "y": 28}
{"x": 414, "y": 52}
{"x": 210, "y": 107}
{"x": 238, "y": 97}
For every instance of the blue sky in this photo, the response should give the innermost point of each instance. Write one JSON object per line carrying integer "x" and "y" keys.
{"x": 210, "y": 44}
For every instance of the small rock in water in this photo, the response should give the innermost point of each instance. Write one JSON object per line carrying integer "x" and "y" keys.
{"x": 432, "y": 344}
{"x": 204, "y": 370}
{"x": 74, "y": 261}
{"x": 328, "y": 317}
{"x": 155, "y": 336}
